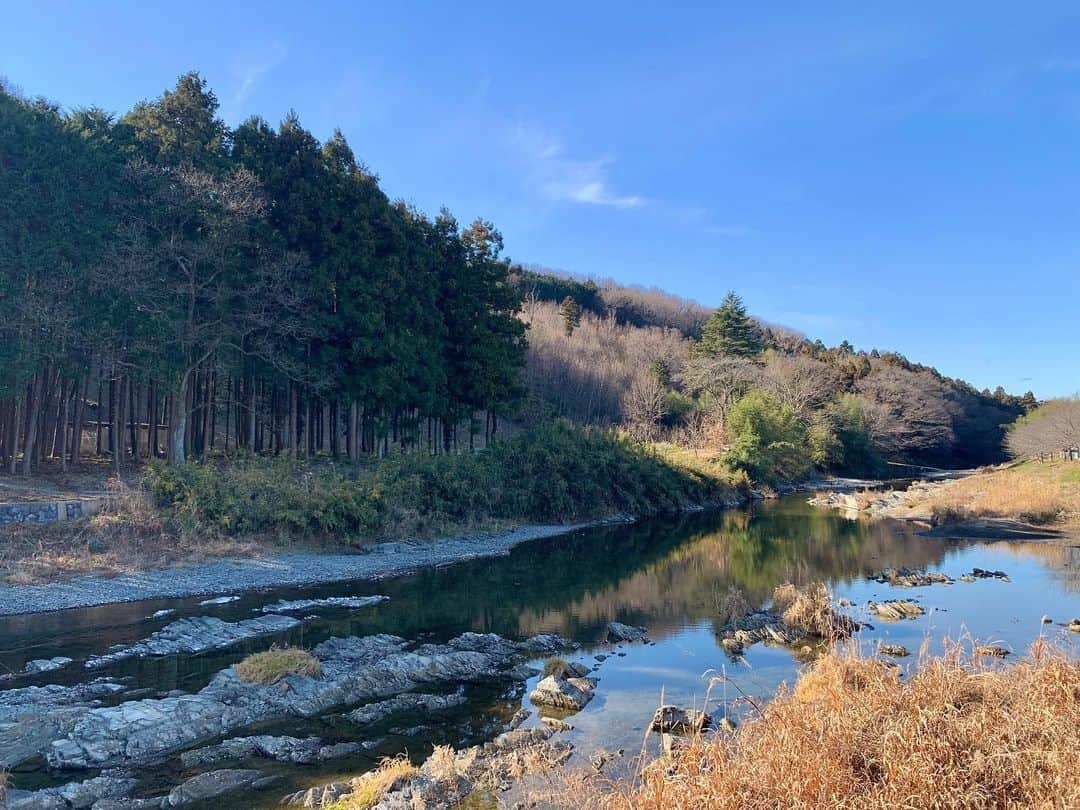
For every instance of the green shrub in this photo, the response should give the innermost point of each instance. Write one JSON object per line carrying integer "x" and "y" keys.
{"x": 767, "y": 440}
{"x": 552, "y": 472}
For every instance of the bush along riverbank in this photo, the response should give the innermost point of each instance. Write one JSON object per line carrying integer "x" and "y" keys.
{"x": 551, "y": 474}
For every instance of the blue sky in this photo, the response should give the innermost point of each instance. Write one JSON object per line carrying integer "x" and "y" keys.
{"x": 904, "y": 178}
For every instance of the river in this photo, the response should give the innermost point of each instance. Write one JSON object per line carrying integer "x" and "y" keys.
{"x": 667, "y": 575}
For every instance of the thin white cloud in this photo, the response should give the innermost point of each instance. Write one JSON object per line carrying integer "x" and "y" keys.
{"x": 560, "y": 178}
{"x": 251, "y": 69}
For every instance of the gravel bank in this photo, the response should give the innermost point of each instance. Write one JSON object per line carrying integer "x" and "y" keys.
{"x": 234, "y": 575}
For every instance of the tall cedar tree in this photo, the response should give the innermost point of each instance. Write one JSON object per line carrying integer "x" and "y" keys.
{"x": 730, "y": 331}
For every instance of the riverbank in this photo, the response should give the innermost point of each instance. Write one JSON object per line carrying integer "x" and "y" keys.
{"x": 1029, "y": 500}
{"x": 234, "y": 575}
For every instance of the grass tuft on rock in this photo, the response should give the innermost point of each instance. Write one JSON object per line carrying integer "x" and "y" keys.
{"x": 276, "y": 663}
{"x": 369, "y": 789}
{"x": 810, "y": 608}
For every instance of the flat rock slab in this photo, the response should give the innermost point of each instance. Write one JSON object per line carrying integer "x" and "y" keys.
{"x": 300, "y": 751}
{"x": 374, "y": 712}
{"x": 351, "y": 602}
{"x": 77, "y": 795}
{"x": 212, "y": 784}
{"x": 196, "y": 635}
{"x": 46, "y": 664}
{"x": 354, "y": 669}
{"x": 896, "y": 609}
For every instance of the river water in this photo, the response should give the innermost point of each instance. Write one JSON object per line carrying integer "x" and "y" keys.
{"x": 667, "y": 575}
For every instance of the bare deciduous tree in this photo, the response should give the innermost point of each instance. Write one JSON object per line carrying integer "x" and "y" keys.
{"x": 645, "y": 406}
{"x": 721, "y": 380}
{"x": 1051, "y": 430}
{"x": 800, "y": 382}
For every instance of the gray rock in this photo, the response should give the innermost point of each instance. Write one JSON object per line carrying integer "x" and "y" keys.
{"x": 32, "y": 717}
{"x": 196, "y": 635}
{"x": 895, "y": 609}
{"x": 555, "y": 724}
{"x": 212, "y": 784}
{"x": 161, "y": 614}
{"x": 374, "y": 712}
{"x": 283, "y": 749}
{"x": 221, "y": 600}
{"x": 676, "y": 720}
{"x": 318, "y": 796}
{"x": 563, "y": 693}
{"x": 46, "y": 664}
{"x": 284, "y": 606}
{"x": 353, "y": 670}
{"x": 34, "y": 800}
{"x": 77, "y": 795}
{"x": 894, "y": 650}
{"x": 909, "y": 578}
{"x": 617, "y": 631}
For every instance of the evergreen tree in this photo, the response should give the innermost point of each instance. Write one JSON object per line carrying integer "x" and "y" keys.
{"x": 730, "y": 331}
{"x": 571, "y": 315}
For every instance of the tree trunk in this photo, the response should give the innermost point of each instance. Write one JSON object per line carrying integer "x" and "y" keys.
{"x": 178, "y": 419}
{"x": 33, "y": 402}
{"x": 13, "y": 435}
{"x": 65, "y": 417}
{"x": 77, "y": 423}
{"x": 133, "y": 418}
{"x": 151, "y": 421}
{"x": 118, "y": 425}
{"x": 251, "y": 414}
{"x": 292, "y": 434}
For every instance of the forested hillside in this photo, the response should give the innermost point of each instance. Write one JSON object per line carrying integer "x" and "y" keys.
{"x": 667, "y": 369}
{"x": 173, "y": 287}
{"x": 238, "y": 289}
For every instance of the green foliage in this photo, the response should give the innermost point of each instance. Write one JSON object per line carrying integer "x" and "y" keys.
{"x": 768, "y": 441}
{"x": 571, "y": 315}
{"x": 253, "y": 495}
{"x": 823, "y": 445}
{"x": 550, "y": 473}
{"x": 730, "y": 331}
{"x": 858, "y": 455}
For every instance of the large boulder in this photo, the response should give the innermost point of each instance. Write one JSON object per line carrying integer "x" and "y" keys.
{"x": 617, "y": 631}
{"x": 563, "y": 693}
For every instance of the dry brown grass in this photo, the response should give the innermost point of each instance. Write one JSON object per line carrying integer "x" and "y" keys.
{"x": 370, "y": 788}
{"x": 271, "y": 666}
{"x": 959, "y": 733}
{"x": 1034, "y": 492}
{"x": 128, "y": 534}
{"x": 810, "y": 608}
{"x": 732, "y": 605}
